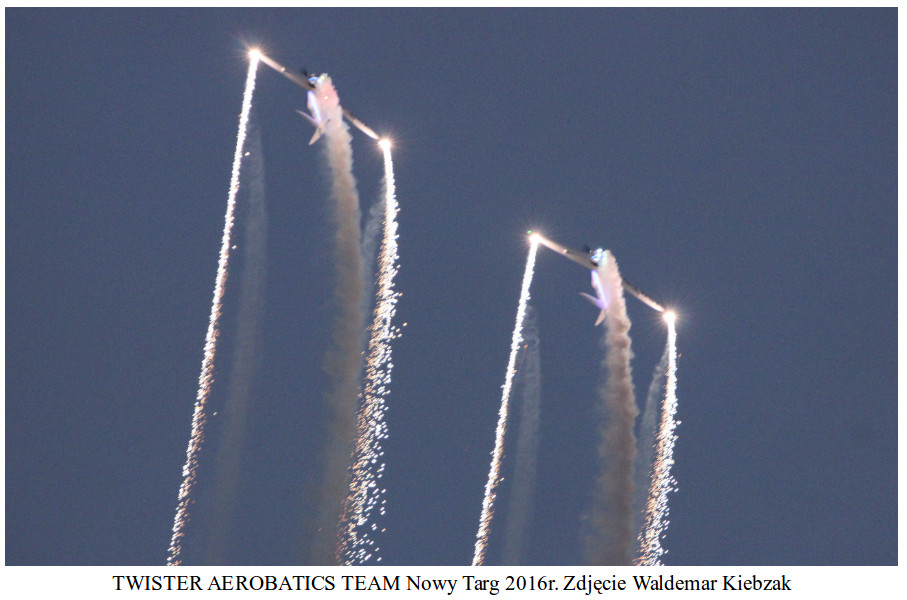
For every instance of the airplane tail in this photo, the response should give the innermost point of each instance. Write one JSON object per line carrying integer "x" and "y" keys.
{"x": 601, "y": 318}
{"x": 318, "y": 128}
{"x": 601, "y": 305}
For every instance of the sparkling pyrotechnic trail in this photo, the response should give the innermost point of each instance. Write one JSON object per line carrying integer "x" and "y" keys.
{"x": 494, "y": 471}
{"x": 206, "y": 377}
{"x": 656, "y": 517}
{"x": 368, "y": 465}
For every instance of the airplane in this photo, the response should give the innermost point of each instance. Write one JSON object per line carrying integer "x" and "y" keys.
{"x": 324, "y": 92}
{"x": 318, "y": 91}
{"x": 591, "y": 259}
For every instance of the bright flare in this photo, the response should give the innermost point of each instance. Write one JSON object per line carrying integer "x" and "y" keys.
{"x": 206, "y": 377}
{"x": 385, "y": 145}
{"x": 494, "y": 472}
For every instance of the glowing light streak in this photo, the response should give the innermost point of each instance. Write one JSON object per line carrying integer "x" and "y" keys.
{"x": 656, "y": 517}
{"x": 206, "y": 376}
{"x": 494, "y": 471}
{"x": 368, "y": 466}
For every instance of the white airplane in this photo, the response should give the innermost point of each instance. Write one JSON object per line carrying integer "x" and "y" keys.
{"x": 591, "y": 259}
{"x": 320, "y": 93}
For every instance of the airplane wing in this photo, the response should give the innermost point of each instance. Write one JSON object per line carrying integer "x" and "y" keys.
{"x": 641, "y": 297}
{"x": 297, "y": 78}
{"x": 577, "y": 256}
{"x": 360, "y": 125}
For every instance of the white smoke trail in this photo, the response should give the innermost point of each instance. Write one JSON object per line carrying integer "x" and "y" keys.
{"x": 368, "y": 466}
{"x": 529, "y": 378}
{"x": 494, "y": 471}
{"x": 656, "y": 519}
{"x": 206, "y": 377}
{"x": 610, "y": 538}
{"x": 645, "y": 447}
{"x": 343, "y": 359}
{"x": 246, "y": 356}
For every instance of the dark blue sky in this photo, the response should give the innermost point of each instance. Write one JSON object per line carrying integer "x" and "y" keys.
{"x": 740, "y": 164}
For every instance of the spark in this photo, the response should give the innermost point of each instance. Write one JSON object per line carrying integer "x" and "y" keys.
{"x": 206, "y": 377}
{"x": 494, "y": 471}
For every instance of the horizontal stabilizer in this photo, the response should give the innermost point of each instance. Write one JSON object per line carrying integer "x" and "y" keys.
{"x": 593, "y": 300}
{"x": 308, "y": 118}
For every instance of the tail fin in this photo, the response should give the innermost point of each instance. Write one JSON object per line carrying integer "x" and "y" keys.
{"x": 315, "y": 136}
{"x": 318, "y": 127}
{"x": 599, "y": 304}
